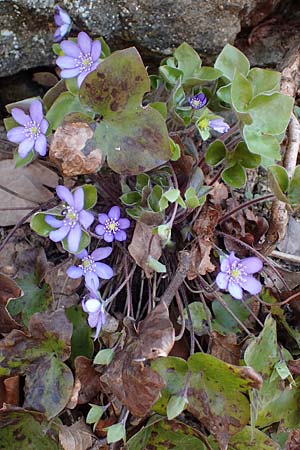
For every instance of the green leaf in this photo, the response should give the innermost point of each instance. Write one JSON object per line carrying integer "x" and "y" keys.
{"x": 34, "y": 299}
{"x": 71, "y": 85}
{"x": 279, "y": 181}
{"x": 156, "y": 265}
{"x": 104, "y": 47}
{"x": 154, "y": 198}
{"x": 53, "y": 384}
{"x": 264, "y": 80}
{"x": 235, "y": 176}
{"x": 262, "y": 144}
{"x": 172, "y": 195}
{"x": 104, "y": 356}
{"x": 131, "y": 198}
{"x": 39, "y": 225}
{"x": 175, "y": 150}
{"x": 142, "y": 180}
{"x": 161, "y": 107}
{"x": 53, "y": 93}
{"x": 164, "y": 232}
{"x": 262, "y": 110}
{"x": 247, "y": 159}
{"x": 84, "y": 242}
{"x": 191, "y": 199}
{"x": 65, "y": 104}
{"x": 188, "y": 60}
{"x": 56, "y": 48}
{"x": 90, "y": 195}
{"x": 208, "y": 74}
{"x": 115, "y": 433}
{"x": 22, "y": 162}
{"x": 216, "y": 153}
{"x": 175, "y": 406}
{"x": 224, "y": 94}
{"x": 23, "y": 430}
{"x": 224, "y": 323}
{"x": 231, "y": 59}
{"x": 81, "y": 341}
{"x": 252, "y": 439}
{"x": 170, "y": 74}
{"x": 241, "y": 92}
{"x": 200, "y": 317}
{"x": 294, "y": 188}
{"x": 133, "y": 138}
{"x": 94, "y": 414}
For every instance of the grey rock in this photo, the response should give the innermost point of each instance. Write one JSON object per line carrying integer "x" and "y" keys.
{"x": 155, "y": 27}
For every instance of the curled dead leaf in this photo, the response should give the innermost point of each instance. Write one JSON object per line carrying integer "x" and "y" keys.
{"x": 226, "y": 347}
{"x": 129, "y": 377}
{"x": 73, "y": 149}
{"x": 76, "y": 437}
{"x": 88, "y": 379}
{"x": 8, "y": 289}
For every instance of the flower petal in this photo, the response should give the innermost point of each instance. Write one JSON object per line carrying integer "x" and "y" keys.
{"x": 40, "y": 145}
{"x": 100, "y": 230}
{"x": 74, "y": 272}
{"x": 102, "y": 218}
{"x": 225, "y": 264}
{"x": 120, "y": 235}
{"x": 59, "y": 234}
{"x": 101, "y": 253}
{"x": 93, "y": 305}
{"x": 84, "y": 42}
{"x": 70, "y": 73}
{"x": 66, "y": 62}
{"x": 232, "y": 258}
{"x": 19, "y": 116}
{"x": 44, "y": 126}
{"x": 53, "y": 222}
{"x": 81, "y": 77}
{"x": 82, "y": 254}
{"x": 25, "y": 147}
{"x": 16, "y": 135}
{"x": 78, "y": 196}
{"x": 96, "y": 50}
{"x": 74, "y": 238}
{"x": 108, "y": 237}
{"x": 93, "y": 319}
{"x": 222, "y": 280}
{"x": 252, "y": 264}
{"x": 86, "y": 218}
{"x": 36, "y": 111}
{"x": 92, "y": 282}
{"x": 124, "y": 223}
{"x": 65, "y": 195}
{"x": 235, "y": 290}
{"x": 114, "y": 213}
{"x": 104, "y": 271}
{"x": 251, "y": 285}
{"x": 70, "y": 49}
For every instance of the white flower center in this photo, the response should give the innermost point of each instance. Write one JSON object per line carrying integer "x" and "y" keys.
{"x": 88, "y": 264}
{"x": 111, "y": 226}
{"x": 71, "y": 217}
{"x": 32, "y": 130}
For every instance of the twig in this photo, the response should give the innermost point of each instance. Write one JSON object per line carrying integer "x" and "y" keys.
{"x": 254, "y": 201}
{"x": 182, "y": 269}
{"x": 111, "y": 298}
{"x": 286, "y": 257}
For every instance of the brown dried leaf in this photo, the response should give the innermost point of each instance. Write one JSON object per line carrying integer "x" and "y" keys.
{"x": 73, "y": 150}
{"x": 226, "y": 347}
{"x": 129, "y": 377}
{"x": 76, "y": 437}
{"x": 144, "y": 244}
{"x": 9, "y": 391}
{"x": 28, "y": 182}
{"x": 218, "y": 194}
{"x": 293, "y": 442}
{"x": 8, "y": 289}
{"x": 89, "y": 379}
{"x": 46, "y": 79}
{"x": 63, "y": 287}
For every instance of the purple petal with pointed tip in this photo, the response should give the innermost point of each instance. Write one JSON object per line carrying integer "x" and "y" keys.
{"x": 235, "y": 290}
{"x": 70, "y": 49}
{"x": 59, "y": 234}
{"x": 101, "y": 253}
{"x": 16, "y": 135}
{"x": 114, "y": 213}
{"x": 25, "y": 147}
{"x": 19, "y": 116}
{"x": 86, "y": 218}
{"x": 65, "y": 195}
{"x": 36, "y": 111}
{"x": 74, "y": 272}
{"x": 74, "y": 237}
{"x": 104, "y": 271}
{"x": 84, "y": 42}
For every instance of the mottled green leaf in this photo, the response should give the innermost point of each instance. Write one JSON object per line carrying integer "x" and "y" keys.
{"x": 160, "y": 107}
{"x": 175, "y": 406}
{"x": 170, "y": 74}
{"x": 199, "y": 316}
{"x": 231, "y": 59}
{"x": 21, "y": 430}
{"x": 134, "y": 138}
{"x": 65, "y": 104}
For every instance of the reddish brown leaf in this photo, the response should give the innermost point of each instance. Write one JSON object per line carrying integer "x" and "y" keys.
{"x": 293, "y": 442}
{"x": 89, "y": 379}
{"x": 226, "y": 347}
{"x": 129, "y": 377}
{"x": 9, "y": 391}
{"x": 8, "y": 289}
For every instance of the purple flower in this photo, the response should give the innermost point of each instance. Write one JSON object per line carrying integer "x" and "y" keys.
{"x": 80, "y": 59}
{"x": 198, "y": 101}
{"x": 32, "y": 132}
{"x": 63, "y": 22}
{"x": 236, "y": 275}
{"x": 219, "y": 125}
{"x": 90, "y": 268}
{"x": 111, "y": 226}
{"x": 75, "y": 217}
{"x": 95, "y": 309}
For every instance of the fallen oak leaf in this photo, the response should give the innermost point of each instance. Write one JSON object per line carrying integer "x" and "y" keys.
{"x": 128, "y": 376}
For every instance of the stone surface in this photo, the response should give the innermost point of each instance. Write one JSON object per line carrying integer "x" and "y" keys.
{"x": 154, "y": 27}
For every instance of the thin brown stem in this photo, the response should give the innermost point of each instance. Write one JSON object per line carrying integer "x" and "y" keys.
{"x": 254, "y": 201}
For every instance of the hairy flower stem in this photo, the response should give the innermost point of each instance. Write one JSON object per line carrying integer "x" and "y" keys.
{"x": 254, "y": 201}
